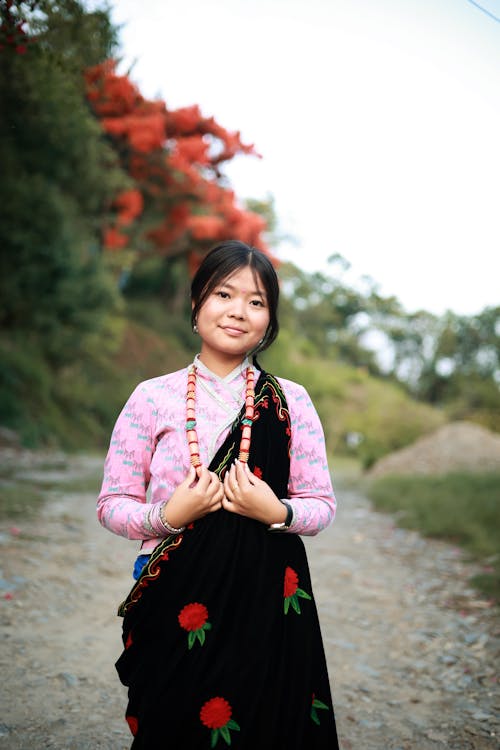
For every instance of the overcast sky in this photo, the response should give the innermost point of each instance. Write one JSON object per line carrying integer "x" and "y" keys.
{"x": 378, "y": 122}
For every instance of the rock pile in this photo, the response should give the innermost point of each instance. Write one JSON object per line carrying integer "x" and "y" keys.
{"x": 458, "y": 446}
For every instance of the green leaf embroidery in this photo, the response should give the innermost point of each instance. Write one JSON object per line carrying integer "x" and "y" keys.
{"x": 201, "y": 635}
{"x": 295, "y": 604}
{"x": 191, "y": 638}
{"x": 226, "y": 734}
{"x": 320, "y": 704}
{"x": 317, "y": 704}
{"x": 206, "y": 626}
{"x": 287, "y": 604}
{"x": 233, "y": 725}
{"x": 215, "y": 737}
{"x": 302, "y": 593}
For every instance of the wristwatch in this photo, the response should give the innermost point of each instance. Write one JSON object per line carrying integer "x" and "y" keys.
{"x": 284, "y": 525}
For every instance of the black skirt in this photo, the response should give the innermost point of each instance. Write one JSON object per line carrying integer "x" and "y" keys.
{"x": 222, "y": 644}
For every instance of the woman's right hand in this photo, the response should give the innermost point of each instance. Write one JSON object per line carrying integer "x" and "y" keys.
{"x": 194, "y": 497}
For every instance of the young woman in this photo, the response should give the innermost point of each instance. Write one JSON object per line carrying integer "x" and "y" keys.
{"x": 222, "y": 644}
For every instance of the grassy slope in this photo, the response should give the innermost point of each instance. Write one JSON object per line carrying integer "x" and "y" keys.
{"x": 462, "y": 508}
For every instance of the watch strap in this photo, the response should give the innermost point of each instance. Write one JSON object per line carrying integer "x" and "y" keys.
{"x": 283, "y": 525}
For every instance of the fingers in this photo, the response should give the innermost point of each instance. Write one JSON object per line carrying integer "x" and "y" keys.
{"x": 204, "y": 478}
{"x": 244, "y": 476}
{"x": 229, "y": 485}
{"x": 227, "y": 504}
{"x": 190, "y": 478}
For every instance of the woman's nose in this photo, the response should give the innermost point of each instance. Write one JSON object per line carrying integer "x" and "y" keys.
{"x": 237, "y": 308}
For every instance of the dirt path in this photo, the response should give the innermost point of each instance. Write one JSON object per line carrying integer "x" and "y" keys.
{"x": 411, "y": 650}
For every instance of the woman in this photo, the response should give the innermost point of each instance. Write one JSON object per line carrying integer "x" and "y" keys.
{"x": 222, "y": 644}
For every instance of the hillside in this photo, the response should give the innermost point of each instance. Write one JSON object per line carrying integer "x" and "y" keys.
{"x": 75, "y": 407}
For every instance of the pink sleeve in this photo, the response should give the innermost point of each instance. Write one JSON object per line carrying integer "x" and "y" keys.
{"x": 310, "y": 490}
{"x": 121, "y": 506}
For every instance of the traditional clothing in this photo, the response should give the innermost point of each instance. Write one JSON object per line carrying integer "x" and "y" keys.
{"x": 221, "y": 637}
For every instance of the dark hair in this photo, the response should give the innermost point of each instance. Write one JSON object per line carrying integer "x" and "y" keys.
{"x": 221, "y": 262}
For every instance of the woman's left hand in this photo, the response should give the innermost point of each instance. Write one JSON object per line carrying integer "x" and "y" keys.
{"x": 250, "y": 496}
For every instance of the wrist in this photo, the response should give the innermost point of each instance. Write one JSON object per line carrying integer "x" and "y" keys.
{"x": 172, "y": 526}
{"x": 286, "y": 518}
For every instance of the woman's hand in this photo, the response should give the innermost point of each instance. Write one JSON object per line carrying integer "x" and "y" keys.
{"x": 194, "y": 497}
{"x": 250, "y": 496}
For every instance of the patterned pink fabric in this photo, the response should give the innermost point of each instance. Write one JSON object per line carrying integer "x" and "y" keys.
{"x": 148, "y": 454}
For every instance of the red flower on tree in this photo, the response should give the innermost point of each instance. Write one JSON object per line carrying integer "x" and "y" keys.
{"x": 194, "y": 618}
{"x": 174, "y": 159}
{"x": 113, "y": 239}
{"x": 215, "y": 714}
{"x": 291, "y": 591}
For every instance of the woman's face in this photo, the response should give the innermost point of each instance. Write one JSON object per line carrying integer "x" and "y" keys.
{"x": 232, "y": 320}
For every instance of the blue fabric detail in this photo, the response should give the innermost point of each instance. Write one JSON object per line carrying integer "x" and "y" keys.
{"x": 139, "y": 565}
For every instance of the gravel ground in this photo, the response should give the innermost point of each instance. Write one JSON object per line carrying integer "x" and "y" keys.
{"x": 412, "y": 650}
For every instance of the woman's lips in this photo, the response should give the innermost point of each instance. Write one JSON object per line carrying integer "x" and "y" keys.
{"x": 233, "y": 331}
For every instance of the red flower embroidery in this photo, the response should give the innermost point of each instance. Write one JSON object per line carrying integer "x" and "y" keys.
{"x": 257, "y": 471}
{"x": 194, "y": 618}
{"x": 133, "y": 724}
{"x": 291, "y": 582}
{"x": 215, "y": 714}
{"x": 129, "y": 640}
{"x": 291, "y": 591}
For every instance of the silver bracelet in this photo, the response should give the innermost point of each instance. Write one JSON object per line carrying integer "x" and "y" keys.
{"x": 166, "y": 525}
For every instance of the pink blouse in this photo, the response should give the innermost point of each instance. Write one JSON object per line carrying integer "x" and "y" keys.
{"x": 148, "y": 454}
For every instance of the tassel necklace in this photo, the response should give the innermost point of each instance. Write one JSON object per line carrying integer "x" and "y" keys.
{"x": 246, "y": 433}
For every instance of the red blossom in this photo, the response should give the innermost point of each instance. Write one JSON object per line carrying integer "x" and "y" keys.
{"x": 205, "y": 227}
{"x": 130, "y": 204}
{"x": 174, "y": 158}
{"x": 183, "y": 120}
{"x": 215, "y": 713}
{"x": 193, "y": 616}
{"x": 291, "y": 582}
{"x": 133, "y": 723}
{"x": 113, "y": 239}
{"x": 193, "y": 149}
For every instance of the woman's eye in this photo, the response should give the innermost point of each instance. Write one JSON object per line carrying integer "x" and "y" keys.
{"x": 257, "y": 303}
{"x": 222, "y": 295}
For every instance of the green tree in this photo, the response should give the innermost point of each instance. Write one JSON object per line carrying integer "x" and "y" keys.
{"x": 58, "y": 178}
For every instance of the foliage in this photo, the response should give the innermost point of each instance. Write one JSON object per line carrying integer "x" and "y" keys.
{"x": 461, "y": 508}
{"x": 100, "y": 185}
{"x": 362, "y": 415}
{"x": 57, "y": 176}
{"x": 452, "y": 361}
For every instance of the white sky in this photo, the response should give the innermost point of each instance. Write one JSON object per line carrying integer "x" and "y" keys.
{"x": 378, "y": 121}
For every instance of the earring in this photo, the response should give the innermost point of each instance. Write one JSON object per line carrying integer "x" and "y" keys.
{"x": 195, "y": 328}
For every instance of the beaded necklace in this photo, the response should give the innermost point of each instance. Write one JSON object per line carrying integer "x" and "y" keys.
{"x": 246, "y": 433}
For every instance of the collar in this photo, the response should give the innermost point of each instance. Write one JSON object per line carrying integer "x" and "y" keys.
{"x": 205, "y": 372}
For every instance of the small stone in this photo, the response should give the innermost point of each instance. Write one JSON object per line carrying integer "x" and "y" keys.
{"x": 482, "y": 716}
{"x": 70, "y": 679}
{"x": 448, "y": 659}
